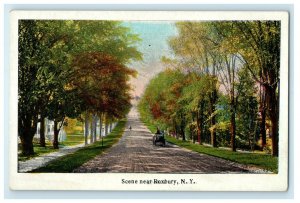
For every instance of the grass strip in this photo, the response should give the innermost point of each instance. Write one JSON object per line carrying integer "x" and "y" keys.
{"x": 263, "y": 161}
{"x": 68, "y": 163}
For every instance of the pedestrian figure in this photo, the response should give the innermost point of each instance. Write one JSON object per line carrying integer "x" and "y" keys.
{"x": 130, "y": 127}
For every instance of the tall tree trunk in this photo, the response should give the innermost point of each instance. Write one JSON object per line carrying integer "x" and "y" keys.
{"x": 100, "y": 126}
{"x": 274, "y": 121}
{"x": 182, "y": 126}
{"x": 110, "y": 127}
{"x": 26, "y": 130}
{"x": 213, "y": 133}
{"x": 175, "y": 129}
{"x": 26, "y": 141}
{"x": 263, "y": 127}
{"x": 92, "y": 129}
{"x": 182, "y": 132}
{"x": 86, "y": 130}
{"x": 192, "y": 134}
{"x": 106, "y": 128}
{"x": 56, "y": 131}
{"x": 192, "y": 129}
{"x": 263, "y": 112}
{"x": 199, "y": 133}
{"x": 274, "y": 117}
{"x": 95, "y": 128}
{"x": 42, "y": 132}
{"x": 200, "y": 124}
{"x": 232, "y": 131}
{"x": 232, "y": 124}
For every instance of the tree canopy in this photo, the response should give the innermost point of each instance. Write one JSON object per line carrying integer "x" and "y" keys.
{"x": 52, "y": 52}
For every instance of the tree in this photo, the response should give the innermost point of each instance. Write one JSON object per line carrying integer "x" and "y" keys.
{"x": 228, "y": 74}
{"x": 102, "y": 84}
{"x": 247, "y": 111}
{"x": 195, "y": 98}
{"x": 63, "y": 103}
{"x": 28, "y": 85}
{"x": 266, "y": 46}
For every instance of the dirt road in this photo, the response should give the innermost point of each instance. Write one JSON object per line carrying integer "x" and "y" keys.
{"x": 136, "y": 153}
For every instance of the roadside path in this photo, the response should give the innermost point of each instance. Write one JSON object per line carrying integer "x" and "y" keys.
{"x": 34, "y": 163}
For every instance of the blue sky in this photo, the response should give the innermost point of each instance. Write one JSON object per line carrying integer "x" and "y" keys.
{"x": 154, "y": 35}
{"x": 154, "y": 45}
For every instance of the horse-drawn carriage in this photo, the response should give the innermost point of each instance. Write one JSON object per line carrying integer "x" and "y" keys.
{"x": 159, "y": 137}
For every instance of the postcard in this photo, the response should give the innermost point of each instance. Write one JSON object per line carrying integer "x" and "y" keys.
{"x": 149, "y": 100}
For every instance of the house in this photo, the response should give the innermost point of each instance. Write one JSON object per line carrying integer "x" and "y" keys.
{"x": 49, "y": 131}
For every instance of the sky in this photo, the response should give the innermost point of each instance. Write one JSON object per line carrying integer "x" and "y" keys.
{"x": 154, "y": 44}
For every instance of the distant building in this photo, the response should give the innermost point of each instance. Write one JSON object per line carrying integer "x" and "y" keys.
{"x": 49, "y": 131}
{"x": 110, "y": 127}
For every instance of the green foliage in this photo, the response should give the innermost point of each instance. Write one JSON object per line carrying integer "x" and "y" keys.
{"x": 247, "y": 116}
{"x": 72, "y": 126}
{"x": 196, "y": 91}
{"x": 161, "y": 100}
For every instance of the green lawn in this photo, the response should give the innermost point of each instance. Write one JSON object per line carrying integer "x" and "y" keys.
{"x": 264, "y": 161}
{"x": 73, "y": 139}
{"x": 68, "y": 163}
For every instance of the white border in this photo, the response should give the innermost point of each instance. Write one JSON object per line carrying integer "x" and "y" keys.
{"x": 151, "y": 15}
{"x": 109, "y": 181}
